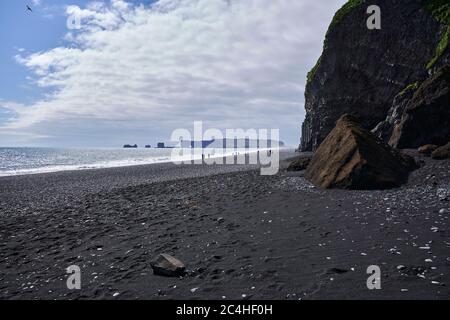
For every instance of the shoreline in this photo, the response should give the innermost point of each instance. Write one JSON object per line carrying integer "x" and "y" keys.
{"x": 18, "y": 191}
{"x": 117, "y": 164}
{"x": 242, "y": 235}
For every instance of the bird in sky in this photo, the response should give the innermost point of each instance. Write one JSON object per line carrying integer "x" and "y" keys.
{"x": 29, "y": 8}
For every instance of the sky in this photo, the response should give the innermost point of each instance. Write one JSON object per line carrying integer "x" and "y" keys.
{"x": 77, "y": 73}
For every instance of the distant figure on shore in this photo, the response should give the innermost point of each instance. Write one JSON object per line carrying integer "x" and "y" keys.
{"x": 129, "y": 146}
{"x": 148, "y": 146}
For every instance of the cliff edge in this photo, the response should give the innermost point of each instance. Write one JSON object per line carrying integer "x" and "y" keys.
{"x": 362, "y": 71}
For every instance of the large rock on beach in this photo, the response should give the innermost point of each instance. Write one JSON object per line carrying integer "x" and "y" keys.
{"x": 300, "y": 164}
{"x": 168, "y": 266}
{"x": 353, "y": 158}
{"x": 427, "y": 149}
{"x": 442, "y": 153}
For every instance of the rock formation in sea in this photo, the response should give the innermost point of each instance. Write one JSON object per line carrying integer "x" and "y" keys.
{"x": 367, "y": 73}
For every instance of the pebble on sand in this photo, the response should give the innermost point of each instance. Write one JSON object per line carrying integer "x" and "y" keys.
{"x": 166, "y": 265}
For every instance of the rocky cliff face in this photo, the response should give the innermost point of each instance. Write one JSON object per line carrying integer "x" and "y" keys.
{"x": 361, "y": 71}
{"x": 421, "y": 115}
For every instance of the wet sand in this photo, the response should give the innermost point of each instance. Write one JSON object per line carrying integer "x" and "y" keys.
{"x": 241, "y": 235}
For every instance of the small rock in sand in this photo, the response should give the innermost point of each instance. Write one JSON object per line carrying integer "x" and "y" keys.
{"x": 442, "y": 211}
{"x": 166, "y": 265}
{"x": 299, "y": 164}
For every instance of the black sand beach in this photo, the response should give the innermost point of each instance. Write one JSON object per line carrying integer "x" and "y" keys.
{"x": 241, "y": 235}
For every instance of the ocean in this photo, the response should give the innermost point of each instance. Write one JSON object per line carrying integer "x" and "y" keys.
{"x": 21, "y": 161}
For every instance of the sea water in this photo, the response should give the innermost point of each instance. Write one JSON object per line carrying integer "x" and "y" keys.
{"x": 18, "y": 161}
{"x": 21, "y": 161}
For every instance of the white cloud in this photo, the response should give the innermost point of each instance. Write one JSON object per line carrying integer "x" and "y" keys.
{"x": 227, "y": 62}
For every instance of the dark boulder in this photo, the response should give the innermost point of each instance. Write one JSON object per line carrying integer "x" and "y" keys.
{"x": 442, "y": 153}
{"x": 427, "y": 149}
{"x": 353, "y": 158}
{"x": 299, "y": 164}
{"x": 166, "y": 265}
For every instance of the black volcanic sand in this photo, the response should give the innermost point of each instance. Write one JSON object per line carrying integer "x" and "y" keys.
{"x": 241, "y": 235}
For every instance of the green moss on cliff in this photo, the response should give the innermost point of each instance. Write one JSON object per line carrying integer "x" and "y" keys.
{"x": 342, "y": 12}
{"x": 442, "y": 46}
{"x": 313, "y": 71}
{"x": 440, "y": 10}
{"x": 412, "y": 86}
